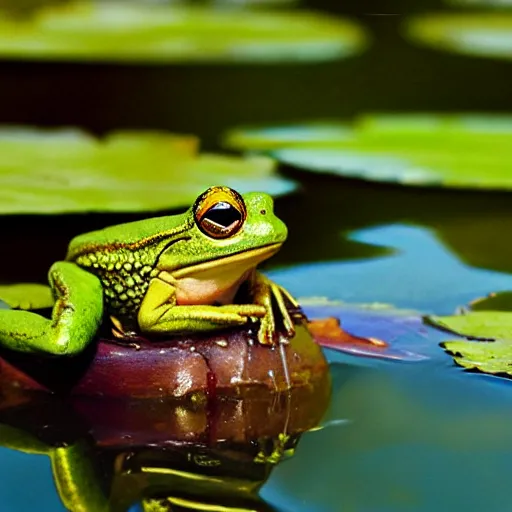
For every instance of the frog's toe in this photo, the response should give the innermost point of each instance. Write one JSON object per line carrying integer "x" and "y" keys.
{"x": 288, "y": 324}
{"x": 266, "y": 332}
{"x": 287, "y": 320}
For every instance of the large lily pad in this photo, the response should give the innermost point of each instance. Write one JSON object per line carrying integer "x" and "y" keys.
{"x": 479, "y": 34}
{"x": 143, "y": 33}
{"x": 58, "y": 171}
{"x": 462, "y": 151}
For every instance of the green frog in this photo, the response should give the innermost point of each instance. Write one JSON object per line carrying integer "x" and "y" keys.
{"x": 162, "y": 276}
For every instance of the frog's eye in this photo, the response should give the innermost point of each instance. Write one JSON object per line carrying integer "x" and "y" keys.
{"x": 220, "y": 212}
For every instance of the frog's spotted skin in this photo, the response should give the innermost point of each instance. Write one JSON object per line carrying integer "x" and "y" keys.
{"x": 125, "y": 264}
{"x": 124, "y": 277}
{"x": 162, "y": 276}
{"x": 124, "y": 284}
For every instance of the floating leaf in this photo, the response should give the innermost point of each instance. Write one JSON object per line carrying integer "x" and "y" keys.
{"x": 370, "y": 330}
{"x": 493, "y": 357}
{"x": 479, "y": 34}
{"x": 27, "y": 296}
{"x": 493, "y": 327}
{"x": 501, "y": 301}
{"x": 57, "y": 171}
{"x": 484, "y": 325}
{"x": 138, "y": 33}
{"x": 329, "y": 333}
{"x": 462, "y": 151}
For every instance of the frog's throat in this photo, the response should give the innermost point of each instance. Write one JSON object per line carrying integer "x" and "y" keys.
{"x": 245, "y": 260}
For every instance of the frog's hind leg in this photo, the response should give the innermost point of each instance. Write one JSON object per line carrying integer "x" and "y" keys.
{"x": 76, "y": 315}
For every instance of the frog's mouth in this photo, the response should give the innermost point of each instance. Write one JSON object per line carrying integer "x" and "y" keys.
{"x": 236, "y": 263}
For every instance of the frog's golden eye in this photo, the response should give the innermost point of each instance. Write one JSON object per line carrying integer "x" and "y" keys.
{"x": 220, "y": 212}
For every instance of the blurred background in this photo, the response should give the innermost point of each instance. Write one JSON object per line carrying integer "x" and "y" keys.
{"x": 389, "y": 73}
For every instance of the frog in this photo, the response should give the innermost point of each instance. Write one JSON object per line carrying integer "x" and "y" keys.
{"x": 163, "y": 276}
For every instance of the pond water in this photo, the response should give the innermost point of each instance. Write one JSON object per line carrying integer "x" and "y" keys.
{"x": 397, "y": 436}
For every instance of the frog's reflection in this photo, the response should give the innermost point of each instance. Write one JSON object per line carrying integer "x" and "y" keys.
{"x": 187, "y": 454}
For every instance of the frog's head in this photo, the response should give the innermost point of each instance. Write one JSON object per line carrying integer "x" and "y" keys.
{"x": 224, "y": 225}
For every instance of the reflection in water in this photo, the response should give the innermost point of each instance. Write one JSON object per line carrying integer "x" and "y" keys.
{"x": 212, "y": 456}
{"x": 195, "y": 423}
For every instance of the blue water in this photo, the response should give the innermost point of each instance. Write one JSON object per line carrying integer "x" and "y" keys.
{"x": 420, "y": 273}
{"x": 423, "y": 436}
{"x": 414, "y": 440}
{"x": 420, "y": 436}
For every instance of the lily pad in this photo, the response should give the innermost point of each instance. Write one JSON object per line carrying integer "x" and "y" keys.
{"x": 15, "y": 296}
{"x": 494, "y": 357}
{"x": 66, "y": 170}
{"x": 460, "y": 151}
{"x": 501, "y": 301}
{"x": 493, "y": 328}
{"x": 479, "y": 34}
{"x": 484, "y": 325}
{"x": 143, "y": 34}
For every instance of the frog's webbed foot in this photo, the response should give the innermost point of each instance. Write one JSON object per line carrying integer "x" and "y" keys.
{"x": 76, "y": 315}
{"x": 266, "y": 293}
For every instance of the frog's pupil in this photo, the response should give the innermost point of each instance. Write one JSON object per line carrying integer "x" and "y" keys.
{"x": 223, "y": 214}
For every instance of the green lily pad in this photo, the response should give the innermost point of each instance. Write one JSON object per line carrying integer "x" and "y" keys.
{"x": 461, "y": 151}
{"x": 143, "y": 33}
{"x": 27, "y": 296}
{"x": 477, "y": 34}
{"x": 484, "y": 325}
{"x": 501, "y": 301}
{"x": 494, "y": 357}
{"x": 489, "y": 320}
{"x": 63, "y": 171}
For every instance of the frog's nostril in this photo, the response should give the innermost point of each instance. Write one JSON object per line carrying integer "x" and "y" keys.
{"x": 263, "y": 212}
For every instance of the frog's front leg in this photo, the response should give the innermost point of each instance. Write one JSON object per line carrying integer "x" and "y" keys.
{"x": 265, "y": 292}
{"x": 159, "y": 313}
{"x": 77, "y": 313}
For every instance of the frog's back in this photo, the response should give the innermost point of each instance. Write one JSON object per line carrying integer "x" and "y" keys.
{"x": 129, "y": 236}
